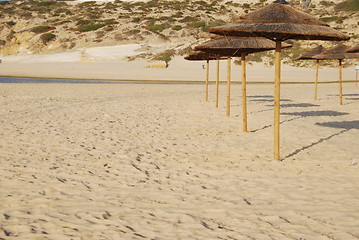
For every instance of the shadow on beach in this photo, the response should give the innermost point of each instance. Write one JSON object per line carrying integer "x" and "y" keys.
{"x": 296, "y": 105}
{"x": 299, "y": 115}
{"x": 316, "y": 114}
{"x": 344, "y": 125}
{"x": 347, "y": 125}
{"x": 269, "y": 100}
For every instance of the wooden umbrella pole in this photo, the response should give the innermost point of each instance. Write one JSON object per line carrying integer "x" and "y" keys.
{"x": 228, "y": 87}
{"x": 341, "y": 82}
{"x": 316, "y": 81}
{"x": 244, "y": 92}
{"x": 277, "y": 100}
{"x": 207, "y": 75}
{"x": 217, "y": 83}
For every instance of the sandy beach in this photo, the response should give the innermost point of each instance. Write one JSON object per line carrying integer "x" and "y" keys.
{"x": 178, "y": 70}
{"x": 155, "y": 161}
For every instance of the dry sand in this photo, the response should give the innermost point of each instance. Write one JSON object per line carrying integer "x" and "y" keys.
{"x": 178, "y": 70}
{"x": 154, "y": 161}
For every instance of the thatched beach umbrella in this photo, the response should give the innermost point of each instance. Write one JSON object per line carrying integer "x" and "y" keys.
{"x": 278, "y": 21}
{"x": 200, "y": 55}
{"x": 309, "y": 55}
{"x": 338, "y": 52}
{"x": 233, "y": 46}
{"x": 354, "y": 49}
{"x": 203, "y": 56}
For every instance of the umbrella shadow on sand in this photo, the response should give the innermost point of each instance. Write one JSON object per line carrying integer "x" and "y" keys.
{"x": 346, "y": 95}
{"x": 354, "y": 97}
{"x": 260, "y": 96}
{"x": 328, "y": 113}
{"x": 299, "y": 105}
{"x": 298, "y": 115}
{"x": 344, "y": 125}
{"x": 269, "y": 100}
{"x": 265, "y": 99}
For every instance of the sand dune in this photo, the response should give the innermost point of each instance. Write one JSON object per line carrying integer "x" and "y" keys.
{"x": 122, "y": 161}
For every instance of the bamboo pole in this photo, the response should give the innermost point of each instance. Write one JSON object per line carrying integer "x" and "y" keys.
{"x": 228, "y": 87}
{"x": 277, "y": 100}
{"x": 341, "y": 82}
{"x": 217, "y": 83}
{"x": 316, "y": 80}
{"x": 244, "y": 93}
{"x": 207, "y": 75}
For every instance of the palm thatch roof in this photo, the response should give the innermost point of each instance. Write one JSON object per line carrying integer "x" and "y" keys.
{"x": 308, "y": 55}
{"x": 202, "y": 56}
{"x": 280, "y": 22}
{"x": 233, "y": 46}
{"x": 337, "y": 52}
{"x": 354, "y": 49}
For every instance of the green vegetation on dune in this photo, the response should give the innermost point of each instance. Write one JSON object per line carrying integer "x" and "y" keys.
{"x": 156, "y": 27}
{"x": 47, "y": 37}
{"x": 90, "y": 27}
{"x": 186, "y": 21}
{"x": 40, "y": 29}
{"x": 348, "y": 5}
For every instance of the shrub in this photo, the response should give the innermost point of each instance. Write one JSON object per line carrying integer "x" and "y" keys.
{"x": 81, "y": 22}
{"x": 136, "y": 20}
{"x": 47, "y": 37}
{"x": 188, "y": 19}
{"x": 47, "y": 3}
{"x": 165, "y": 56}
{"x": 40, "y": 29}
{"x": 26, "y": 15}
{"x": 348, "y": 5}
{"x": 133, "y": 32}
{"x": 177, "y": 27}
{"x": 110, "y": 21}
{"x": 325, "y": 3}
{"x": 328, "y": 19}
{"x": 90, "y": 27}
{"x": 332, "y": 19}
{"x": 246, "y": 5}
{"x": 63, "y": 10}
{"x": 109, "y": 28}
{"x": 200, "y": 24}
{"x": 177, "y": 15}
{"x": 11, "y": 23}
{"x": 156, "y": 27}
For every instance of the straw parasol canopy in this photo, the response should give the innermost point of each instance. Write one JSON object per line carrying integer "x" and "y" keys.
{"x": 204, "y": 56}
{"x": 354, "y": 49}
{"x": 338, "y": 52}
{"x": 234, "y": 46}
{"x": 279, "y": 21}
{"x": 201, "y": 56}
{"x": 309, "y": 55}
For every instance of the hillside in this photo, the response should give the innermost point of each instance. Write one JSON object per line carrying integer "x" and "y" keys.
{"x": 45, "y": 27}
